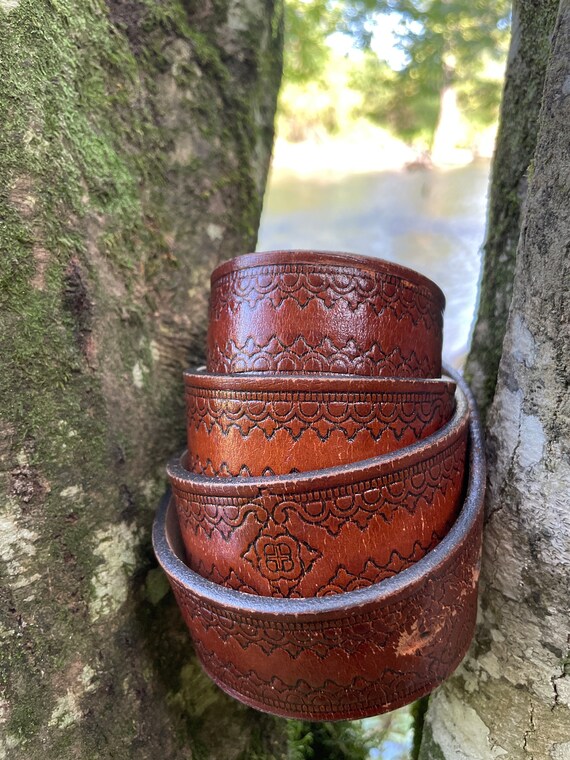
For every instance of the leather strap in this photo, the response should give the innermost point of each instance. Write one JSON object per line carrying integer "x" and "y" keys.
{"x": 351, "y": 655}
{"x": 323, "y": 490}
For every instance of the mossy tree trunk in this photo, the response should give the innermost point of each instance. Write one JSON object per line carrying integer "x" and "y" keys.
{"x": 511, "y": 696}
{"x": 135, "y": 138}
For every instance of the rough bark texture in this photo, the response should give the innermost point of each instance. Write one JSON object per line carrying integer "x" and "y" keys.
{"x": 134, "y": 145}
{"x": 532, "y": 25}
{"x": 511, "y": 697}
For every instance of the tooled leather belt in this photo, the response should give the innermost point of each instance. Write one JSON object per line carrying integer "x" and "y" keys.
{"x": 323, "y": 535}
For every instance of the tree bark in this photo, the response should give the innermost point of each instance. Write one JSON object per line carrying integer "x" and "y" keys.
{"x": 511, "y": 696}
{"x": 532, "y": 26}
{"x": 134, "y": 145}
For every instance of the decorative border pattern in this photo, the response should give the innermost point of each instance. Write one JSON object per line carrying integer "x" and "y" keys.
{"x": 277, "y": 284}
{"x": 300, "y": 696}
{"x": 327, "y": 508}
{"x": 323, "y": 413}
{"x": 372, "y": 572}
{"x": 382, "y": 645}
{"x": 323, "y": 356}
{"x": 198, "y": 466}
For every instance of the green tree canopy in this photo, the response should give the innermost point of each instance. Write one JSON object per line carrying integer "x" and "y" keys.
{"x": 442, "y": 43}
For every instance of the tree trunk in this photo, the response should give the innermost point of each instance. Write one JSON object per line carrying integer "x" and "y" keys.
{"x": 532, "y": 26}
{"x": 134, "y": 146}
{"x": 449, "y": 126}
{"x": 511, "y": 696}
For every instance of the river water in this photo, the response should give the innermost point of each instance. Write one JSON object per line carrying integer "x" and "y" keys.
{"x": 431, "y": 220}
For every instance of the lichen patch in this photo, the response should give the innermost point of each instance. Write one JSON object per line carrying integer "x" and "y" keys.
{"x": 561, "y": 751}
{"x": 459, "y": 732}
{"x": 116, "y": 546}
{"x": 139, "y": 371}
{"x": 215, "y": 232}
{"x": 66, "y": 711}
{"x": 491, "y": 664}
{"x": 41, "y": 259}
{"x": 184, "y": 150}
{"x": 154, "y": 351}
{"x": 152, "y": 488}
{"x": 524, "y": 347}
{"x": 9, "y": 5}
{"x": 17, "y": 546}
{"x": 21, "y": 193}
{"x": 532, "y": 441}
{"x": 88, "y": 679}
{"x": 7, "y": 742}
{"x": 72, "y": 492}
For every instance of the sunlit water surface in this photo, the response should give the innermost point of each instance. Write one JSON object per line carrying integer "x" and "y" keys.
{"x": 430, "y": 220}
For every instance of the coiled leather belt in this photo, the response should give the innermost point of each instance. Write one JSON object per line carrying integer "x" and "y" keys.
{"x": 323, "y": 535}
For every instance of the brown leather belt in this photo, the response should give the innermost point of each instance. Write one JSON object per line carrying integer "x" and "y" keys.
{"x": 301, "y": 311}
{"x": 321, "y": 540}
{"x": 252, "y": 425}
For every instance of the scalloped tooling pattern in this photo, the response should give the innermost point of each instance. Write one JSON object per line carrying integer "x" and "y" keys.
{"x": 330, "y": 508}
{"x": 388, "y": 653}
{"x": 277, "y": 284}
{"x": 277, "y": 544}
{"x": 324, "y": 355}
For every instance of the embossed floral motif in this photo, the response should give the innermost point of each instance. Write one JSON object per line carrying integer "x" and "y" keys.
{"x": 280, "y": 558}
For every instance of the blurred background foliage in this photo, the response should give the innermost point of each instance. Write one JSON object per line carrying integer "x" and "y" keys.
{"x": 409, "y": 66}
{"x": 386, "y": 737}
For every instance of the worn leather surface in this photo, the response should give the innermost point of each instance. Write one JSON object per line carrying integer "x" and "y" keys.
{"x": 246, "y": 425}
{"x": 321, "y": 539}
{"x": 314, "y": 312}
{"x": 345, "y": 656}
{"x": 316, "y": 533}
